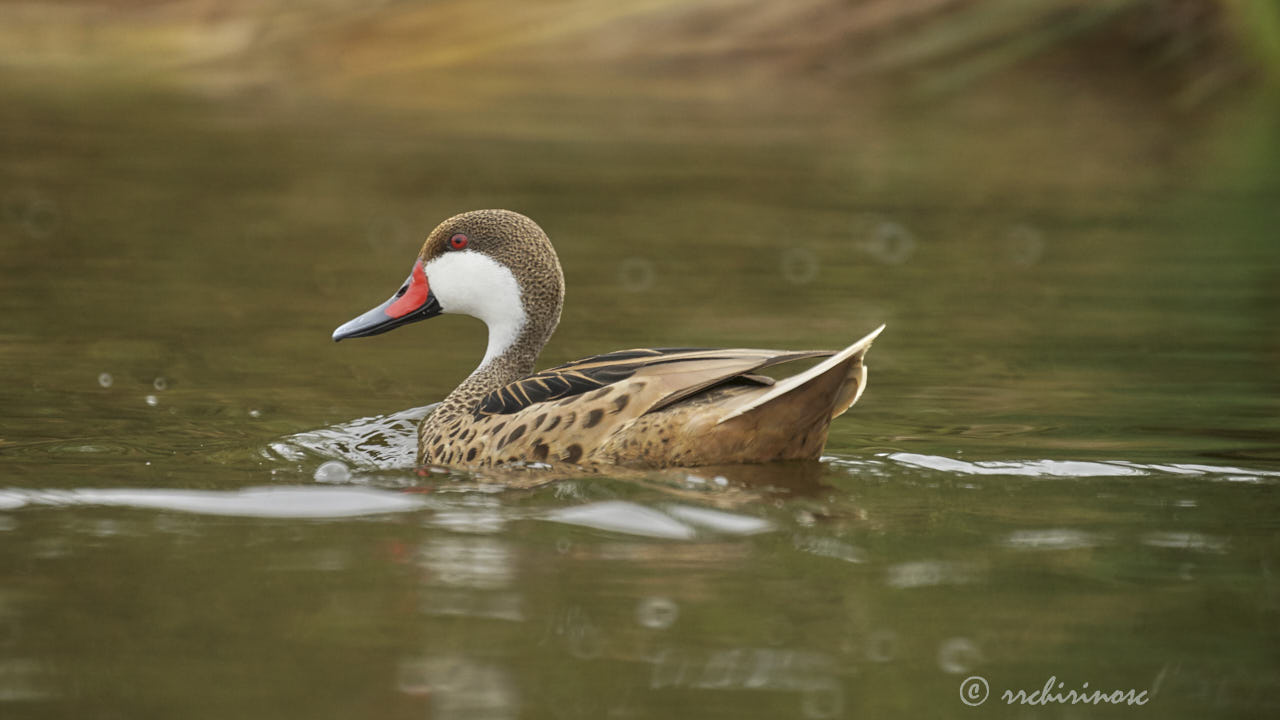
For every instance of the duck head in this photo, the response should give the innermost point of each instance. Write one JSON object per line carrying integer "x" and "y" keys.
{"x": 495, "y": 265}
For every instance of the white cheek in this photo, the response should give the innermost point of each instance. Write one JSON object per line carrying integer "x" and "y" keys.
{"x": 472, "y": 283}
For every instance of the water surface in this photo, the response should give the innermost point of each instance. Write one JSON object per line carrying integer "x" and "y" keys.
{"x": 1065, "y": 466}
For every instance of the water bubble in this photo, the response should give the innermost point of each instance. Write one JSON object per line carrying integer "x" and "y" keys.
{"x": 105, "y": 380}
{"x": 160, "y": 384}
{"x": 564, "y": 545}
{"x": 890, "y": 243}
{"x": 958, "y": 655}
{"x": 882, "y": 646}
{"x": 799, "y": 266}
{"x": 657, "y": 613}
{"x": 635, "y": 274}
{"x": 255, "y": 413}
{"x": 152, "y": 400}
{"x": 37, "y": 215}
{"x": 720, "y": 480}
{"x": 332, "y": 471}
{"x": 42, "y": 219}
{"x": 1024, "y": 244}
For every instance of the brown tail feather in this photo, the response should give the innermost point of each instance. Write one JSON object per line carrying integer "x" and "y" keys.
{"x": 846, "y": 364}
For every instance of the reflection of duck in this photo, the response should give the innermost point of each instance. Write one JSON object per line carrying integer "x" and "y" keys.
{"x": 645, "y": 408}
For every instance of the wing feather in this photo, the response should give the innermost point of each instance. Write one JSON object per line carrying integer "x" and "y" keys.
{"x": 677, "y": 372}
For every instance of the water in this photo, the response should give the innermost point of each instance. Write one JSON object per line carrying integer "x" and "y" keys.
{"x": 1066, "y": 464}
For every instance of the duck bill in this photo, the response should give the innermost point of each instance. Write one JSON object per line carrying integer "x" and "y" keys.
{"x": 414, "y": 301}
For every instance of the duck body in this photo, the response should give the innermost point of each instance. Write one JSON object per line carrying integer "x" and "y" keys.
{"x": 645, "y": 408}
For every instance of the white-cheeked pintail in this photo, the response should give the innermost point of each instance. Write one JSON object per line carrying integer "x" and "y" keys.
{"x": 648, "y": 408}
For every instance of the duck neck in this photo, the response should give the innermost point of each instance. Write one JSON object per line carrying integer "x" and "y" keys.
{"x": 510, "y": 356}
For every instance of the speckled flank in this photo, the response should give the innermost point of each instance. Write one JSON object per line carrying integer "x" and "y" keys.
{"x": 644, "y": 407}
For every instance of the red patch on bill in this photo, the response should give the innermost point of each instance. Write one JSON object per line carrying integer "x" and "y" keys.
{"x": 415, "y": 296}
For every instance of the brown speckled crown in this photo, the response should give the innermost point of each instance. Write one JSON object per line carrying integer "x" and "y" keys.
{"x": 518, "y": 243}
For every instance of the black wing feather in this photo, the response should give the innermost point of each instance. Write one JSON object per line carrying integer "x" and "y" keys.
{"x": 550, "y": 385}
{"x": 572, "y": 378}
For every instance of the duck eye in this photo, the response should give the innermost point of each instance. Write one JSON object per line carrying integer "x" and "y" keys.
{"x": 457, "y": 242}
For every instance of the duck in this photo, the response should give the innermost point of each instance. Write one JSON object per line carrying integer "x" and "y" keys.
{"x": 644, "y": 408}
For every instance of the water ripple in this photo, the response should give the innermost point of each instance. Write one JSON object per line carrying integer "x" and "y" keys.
{"x": 1067, "y": 468}
{"x": 1030, "y": 468}
{"x": 623, "y": 517}
{"x": 389, "y": 442}
{"x": 1186, "y": 541}
{"x": 262, "y": 502}
{"x": 382, "y": 442}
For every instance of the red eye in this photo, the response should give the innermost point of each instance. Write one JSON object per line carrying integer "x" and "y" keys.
{"x": 457, "y": 242}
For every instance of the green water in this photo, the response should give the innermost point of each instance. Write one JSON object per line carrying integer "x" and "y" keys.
{"x": 1066, "y": 464}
